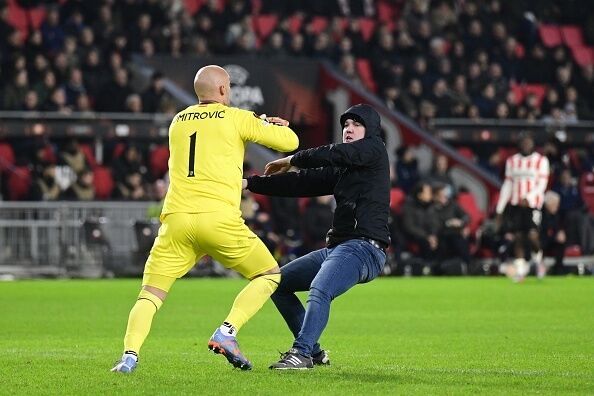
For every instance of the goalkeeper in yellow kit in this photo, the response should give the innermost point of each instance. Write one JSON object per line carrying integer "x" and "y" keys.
{"x": 201, "y": 213}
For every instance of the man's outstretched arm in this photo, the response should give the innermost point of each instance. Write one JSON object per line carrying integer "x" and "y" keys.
{"x": 305, "y": 183}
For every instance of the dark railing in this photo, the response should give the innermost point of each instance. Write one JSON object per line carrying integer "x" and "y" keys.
{"x": 506, "y": 132}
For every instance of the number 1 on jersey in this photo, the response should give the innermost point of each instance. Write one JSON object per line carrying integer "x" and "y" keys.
{"x": 192, "y": 155}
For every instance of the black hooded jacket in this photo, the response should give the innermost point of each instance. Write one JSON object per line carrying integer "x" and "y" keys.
{"x": 357, "y": 174}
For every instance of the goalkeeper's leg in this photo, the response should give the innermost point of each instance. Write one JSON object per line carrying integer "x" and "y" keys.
{"x": 260, "y": 267}
{"x": 140, "y": 319}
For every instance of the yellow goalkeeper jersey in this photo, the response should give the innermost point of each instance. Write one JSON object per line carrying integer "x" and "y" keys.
{"x": 206, "y": 150}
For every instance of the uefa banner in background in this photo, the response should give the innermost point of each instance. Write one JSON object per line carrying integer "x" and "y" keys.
{"x": 284, "y": 88}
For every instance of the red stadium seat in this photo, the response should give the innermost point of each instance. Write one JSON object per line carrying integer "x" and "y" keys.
{"x": 572, "y": 36}
{"x": 550, "y": 35}
{"x": 302, "y": 203}
{"x": 537, "y": 89}
{"x": 295, "y": 23}
{"x": 385, "y": 12}
{"x": 264, "y": 25}
{"x": 193, "y": 5}
{"x": 468, "y": 203}
{"x": 19, "y": 182}
{"x": 318, "y": 24}
{"x": 364, "y": 70}
{"x": 158, "y": 161}
{"x": 518, "y": 92}
{"x": 587, "y": 190}
{"x": 367, "y": 26}
{"x": 89, "y": 155}
{"x": 103, "y": 182}
{"x": 573, "y": 251}
{"x": 6, "y": 157}
{"x": 467, "y": 153}
{"x": 397, "y": 197}
{"x": 583, "y": 56}
{"x": 264, "y": 202}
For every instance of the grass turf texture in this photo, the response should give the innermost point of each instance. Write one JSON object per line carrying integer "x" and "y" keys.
{"x": 395, "y": 336}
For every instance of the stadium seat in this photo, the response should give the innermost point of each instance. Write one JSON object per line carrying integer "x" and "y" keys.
{"x": 537, "y": 89}
{"x": 397, "y": 198}
{"x": 193, "y": 6}
{"x": 19, "y": 182}
{"x": 572, "y": 36}
{"x": 118, "y": 150}
{"x": 467, "y": 153}
{"x": 264, "y": 202}
{"x": 103, "y": 182}
{"x": 264, "y": 25}
{"x": 468, "y": 203}
{"x": 303, "y": 203}
{"x": 318, "y": 24}
{"x": 364, "y": 70}
{"x": 385, "y": 11}
{"x": 519, "y": 51}
{"x": 367, "y": 26}
{"x": 6, "y": 157}
{"x": 89, "y": 155}
{"x": 550, "y": 35}
{"x": 518, "y": 92}
{"x": 586, "y": 185}
{"x": 158, "y": 161}
{"x": 295, "y": 23}
{"x": 583, "y": 56}
{"x": 573, "y": 251}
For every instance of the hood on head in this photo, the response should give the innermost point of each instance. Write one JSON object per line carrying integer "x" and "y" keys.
{"x": 366, "y": 115}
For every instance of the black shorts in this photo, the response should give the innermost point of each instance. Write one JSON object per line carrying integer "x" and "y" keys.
{"x": 521, "y": 219}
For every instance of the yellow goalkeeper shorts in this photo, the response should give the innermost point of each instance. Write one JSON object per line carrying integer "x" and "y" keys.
{"x": 185, "y": 237}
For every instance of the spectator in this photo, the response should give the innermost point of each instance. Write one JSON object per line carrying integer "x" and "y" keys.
{"x": 73, "y": 156}
{"x": 134, "y": 104}
{"x": 129, "y": 162}
{"x": 317, "y": 220}
{"x": 14, "y": 96}
{"x": 31, "y": 102}
{"x": 131, "y": 188}
{"x": 452, "y": 234}
{"x": 44, "y": 186}
{"x": 439, "y": 175}
{"x": 153, "y": 97}
{"x": 407, "y": 169}
{"x": 57, "y": 102}
{"x": 552, "y": 233}
{"x": 113, "y": 96}
{"x": 74, "y": 87}
{"x": 419, "y": 225}
{"x": 569, "y": 193}
{"x": 82, "y": 189}
{"x": 52, "y": 32}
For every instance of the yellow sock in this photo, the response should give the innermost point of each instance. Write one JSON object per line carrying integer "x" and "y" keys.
{"x": 251, "y": 299}
{"x": 140, "y": 319}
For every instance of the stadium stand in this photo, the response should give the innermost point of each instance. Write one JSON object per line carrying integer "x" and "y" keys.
{"x": 424, "y": 58}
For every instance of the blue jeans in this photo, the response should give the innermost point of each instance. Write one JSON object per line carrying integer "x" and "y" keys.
{"x": 326, "y": 273}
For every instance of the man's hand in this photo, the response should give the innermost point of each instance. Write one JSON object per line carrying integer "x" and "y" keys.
{"x": 277, "y": 121}
{"x": 524, "y": 203}
{"x": 278, "y": 166}
{"x": 243, "y": 184}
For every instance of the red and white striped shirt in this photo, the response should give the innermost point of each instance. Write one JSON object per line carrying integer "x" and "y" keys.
{"x": 526, "y": 177}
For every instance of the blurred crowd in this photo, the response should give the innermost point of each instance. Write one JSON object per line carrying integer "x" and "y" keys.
{"x": 427, "y": 58}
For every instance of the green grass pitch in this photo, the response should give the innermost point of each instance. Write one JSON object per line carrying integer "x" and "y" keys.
{"x": 392, "y": 336}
